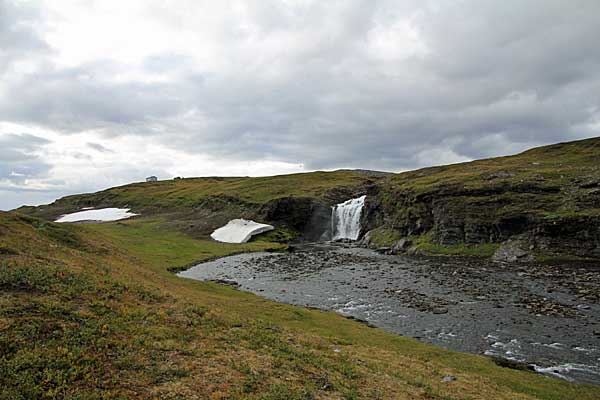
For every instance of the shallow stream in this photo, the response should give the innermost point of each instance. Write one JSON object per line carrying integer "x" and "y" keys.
{"x": 545, "y": 316}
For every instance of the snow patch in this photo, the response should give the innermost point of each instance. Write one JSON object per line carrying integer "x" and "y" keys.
{"x": 239, "y": 231}
{"x": 103, "y": 214}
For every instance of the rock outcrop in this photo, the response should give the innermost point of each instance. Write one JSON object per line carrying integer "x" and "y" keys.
{"x": 306, "y": 215}
{"x": 514, "y": 250}
{"x": 548, "y": 198}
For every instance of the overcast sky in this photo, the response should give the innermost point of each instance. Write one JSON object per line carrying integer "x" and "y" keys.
{"x": 95, "y": 94}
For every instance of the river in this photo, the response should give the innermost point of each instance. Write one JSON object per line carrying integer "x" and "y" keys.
{"x": 545, "y": 316}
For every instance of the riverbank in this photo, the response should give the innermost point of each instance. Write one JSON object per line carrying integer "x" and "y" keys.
{"x": 328, "y": 325}
{"x": 92, "y": 311}
{"x": 543, "y": 317}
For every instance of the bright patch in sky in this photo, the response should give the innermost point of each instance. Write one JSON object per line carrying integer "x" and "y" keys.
{"x": 95, "y": 94}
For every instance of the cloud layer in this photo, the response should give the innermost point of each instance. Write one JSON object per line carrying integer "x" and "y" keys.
{"x": 119, "y": 91}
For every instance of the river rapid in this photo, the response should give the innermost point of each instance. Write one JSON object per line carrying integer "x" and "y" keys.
{"x": 545, "y": 316}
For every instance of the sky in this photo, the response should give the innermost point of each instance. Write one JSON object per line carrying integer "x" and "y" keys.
{"x": 95, "y": 94}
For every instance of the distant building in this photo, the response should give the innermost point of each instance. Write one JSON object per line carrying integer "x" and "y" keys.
{"x": 151, "y": 179}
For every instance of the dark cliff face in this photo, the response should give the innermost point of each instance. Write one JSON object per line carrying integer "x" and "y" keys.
{"x": 578, "y": 236}
{"x": 458, "y": 217}
{"x": 454, "y": 217}
{"x": 547, "y": 197}
{"x": 306, "y": 215}
{"x": 311, "y": 216}
{"x": 372, "y": 215}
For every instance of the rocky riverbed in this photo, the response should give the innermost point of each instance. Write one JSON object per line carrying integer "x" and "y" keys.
{"x": 544, "y": 317}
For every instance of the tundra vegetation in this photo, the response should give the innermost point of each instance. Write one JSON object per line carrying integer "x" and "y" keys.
{"x": 95, "y": 311}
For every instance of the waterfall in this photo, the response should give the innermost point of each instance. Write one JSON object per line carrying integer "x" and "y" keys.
{"x": 345, "y": 219}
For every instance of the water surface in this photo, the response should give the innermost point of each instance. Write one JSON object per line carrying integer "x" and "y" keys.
{"x": 546, "y": 317}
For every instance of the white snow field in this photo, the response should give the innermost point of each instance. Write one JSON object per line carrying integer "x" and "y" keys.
{"x": 103, "y": 215}
{"x": 239, "y": 231}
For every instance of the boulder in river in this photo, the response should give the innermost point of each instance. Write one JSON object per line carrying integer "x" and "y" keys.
{"x": 366, "y": 239}
{"x": 513, "y": 250}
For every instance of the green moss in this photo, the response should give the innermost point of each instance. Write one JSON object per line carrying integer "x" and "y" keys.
{"x": 387, "y": 237}
{"x": 384, "y": 236}
{"x": 425, "y": 246}
{"x": 151, "y": 238}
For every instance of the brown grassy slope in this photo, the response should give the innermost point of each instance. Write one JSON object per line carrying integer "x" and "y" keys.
{"x": 91, "y": 312}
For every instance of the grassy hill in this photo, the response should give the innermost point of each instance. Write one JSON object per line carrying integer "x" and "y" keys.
{"x": 548, "y": 197}
{"x": 546, "y": 200}
{"x": 181, "y": 195}
{"x": 91, "y": 312}
{"x": 197, "y": 206}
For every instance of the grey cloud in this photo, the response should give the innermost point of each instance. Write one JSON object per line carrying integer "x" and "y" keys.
{"x": 99, "y": 147}
{"x": 160, "y": 63}
{"x": 18, "y": 161}
{"x": 17, "y": 35}
{"x": 496, "y": 77}
{"x": 11, "y": 198}
{"x": 76, "y": 99}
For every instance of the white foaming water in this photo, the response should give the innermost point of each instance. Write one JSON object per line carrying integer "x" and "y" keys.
{"x": 561, "y": 371}
{"x": 345, "y": 219}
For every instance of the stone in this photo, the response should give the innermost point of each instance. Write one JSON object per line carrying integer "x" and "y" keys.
{"x": 226, "y": 282}
{"x": 412, "y": 251}
{"x": 383, "y": 250}
{"x": 448, "y": 378}
{"x": 401, "y": 245}
{"x": 500, "y": 175}
{"x": 513, "y": 250}
{"x": 307, "y": 215}
{"x": 511, "y": 364}
{"x": 366, "y": 239}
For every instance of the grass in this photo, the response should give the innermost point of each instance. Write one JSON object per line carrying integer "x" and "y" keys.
{"x": 387, "y": 237}
{"x": 384, "y": 237}
{"x": 487, "y": 201}
{"x": 424, "y": 245}
{"x": 152, "y": 239}
{"x": 100, "y": 316}
{"x": 543, "y": 170}
{"x": 94, "y": 311}
{"x": 187, "y": 194}
{"x": 463, "y": 207}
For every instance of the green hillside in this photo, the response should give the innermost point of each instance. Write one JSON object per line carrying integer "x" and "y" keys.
{"x": 182, "y": 195}
{"x": 547, "y": 197}
{"x": 91, "y": 312}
